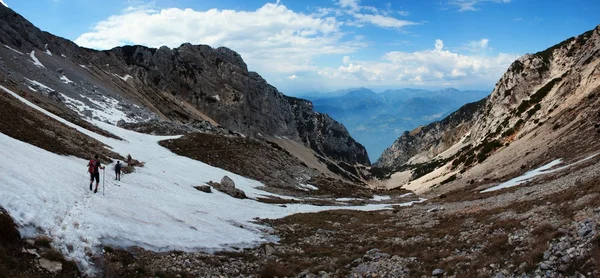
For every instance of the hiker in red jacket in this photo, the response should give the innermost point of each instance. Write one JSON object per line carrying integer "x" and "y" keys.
{"x": 94, "y": 172}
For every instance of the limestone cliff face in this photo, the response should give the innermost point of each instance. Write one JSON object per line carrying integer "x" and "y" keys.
{"x": 195, "y": 82}
{"x": 534, "y": 89}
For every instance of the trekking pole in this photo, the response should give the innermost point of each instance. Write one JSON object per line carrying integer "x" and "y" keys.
{"x": 103, "y": 180}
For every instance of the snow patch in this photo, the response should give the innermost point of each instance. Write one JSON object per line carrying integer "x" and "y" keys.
{"x": 2, "y": 2}
{"x": 35, "y": 60}
{"x": 124, "y": 78}
{"x": 408, "y": 204}
{"x": 545, "y": 169}
{"x": 40, "y": 86}
{"x": 18, "y": 52}
{"x": 83, "y": 66}
{"x": 63, "y": 55}
{"x": 381, "y": 198}
{"x": 348, "y": 199}
{"x": 48, "y": 52}
{"x": 65, "y": 80}
{"x": 307, "y": 187}
{"x": 217, "y": 97}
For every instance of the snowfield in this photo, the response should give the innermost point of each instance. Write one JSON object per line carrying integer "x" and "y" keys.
{"x": 530, "y": 175}
{"x": 156, "y": 207}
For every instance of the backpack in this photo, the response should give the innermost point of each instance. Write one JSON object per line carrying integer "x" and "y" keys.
{"x": 92, "y": 166}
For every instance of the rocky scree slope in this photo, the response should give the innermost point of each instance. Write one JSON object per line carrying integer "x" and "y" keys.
{"x": 539, "y": 94}
{"x": 195, "y": 82}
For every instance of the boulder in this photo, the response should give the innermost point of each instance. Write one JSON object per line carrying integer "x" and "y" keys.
{"x": 227, "y": 186}
{"x": 437, "y": 272}
{"x": 269, "y": 250}
{"x": 227, "y": 183}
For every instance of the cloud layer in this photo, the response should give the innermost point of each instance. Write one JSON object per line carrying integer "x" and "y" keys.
{"x": 288, "y": 47}
{"x": 435, "y": 67}
{"x": 470, "y": 5}
{"x": 285, "y": 40}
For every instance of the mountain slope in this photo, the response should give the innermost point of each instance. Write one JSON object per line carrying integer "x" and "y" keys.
{"x": 544, "y": 104}
{"x": 181, "y": 84}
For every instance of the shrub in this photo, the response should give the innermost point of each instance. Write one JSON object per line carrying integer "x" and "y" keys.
{"x": 450, "y": 179}
{"x": 508, "y": 132}
{"x": 542, "y": 92}
{"x": 273, "y": 269}
{"x": 533, "y": 110}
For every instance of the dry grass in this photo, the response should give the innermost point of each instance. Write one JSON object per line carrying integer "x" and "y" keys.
{"x": 274, "y": 269}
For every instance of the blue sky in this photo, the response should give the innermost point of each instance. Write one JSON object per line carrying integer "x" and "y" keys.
{"x": 302, "y": 46}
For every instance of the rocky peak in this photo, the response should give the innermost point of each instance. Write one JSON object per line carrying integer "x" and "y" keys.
{"x": 534, "y": 88}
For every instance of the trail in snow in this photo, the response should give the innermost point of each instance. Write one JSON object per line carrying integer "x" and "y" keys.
{"x": 156, "y": 207}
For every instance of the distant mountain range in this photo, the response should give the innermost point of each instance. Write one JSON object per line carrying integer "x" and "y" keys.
{"x": 377, "y": 119}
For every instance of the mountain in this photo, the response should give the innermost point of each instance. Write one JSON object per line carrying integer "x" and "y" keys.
{"x": 544, "y": 107}
{"x": 187, "y": 83}
{"x": 377, "y": 119}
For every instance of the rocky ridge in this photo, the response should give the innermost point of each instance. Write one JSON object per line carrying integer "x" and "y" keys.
{"x": 541, "y": 91}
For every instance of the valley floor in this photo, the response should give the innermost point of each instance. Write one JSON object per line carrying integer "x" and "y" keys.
{"x": 155, "y": 223}
{"x": 545, "y": 228}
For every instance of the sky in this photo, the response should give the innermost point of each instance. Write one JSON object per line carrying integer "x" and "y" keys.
{"x": 320, "y": 46}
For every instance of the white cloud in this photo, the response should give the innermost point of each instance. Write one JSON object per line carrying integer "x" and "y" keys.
{"x": 478, "y": 46}
{"x": 469, "y": 5}
{"x": 352, "y": 4}
{"x": 271, "y": 39}
{"x": 439, "y": 44}
{"x": 435, "y": 67}
{"x": 292, "y": 77}
{"x": 383, "y": 21}
{"x": 369, "y": 15}
{"x": 3, "y": 3}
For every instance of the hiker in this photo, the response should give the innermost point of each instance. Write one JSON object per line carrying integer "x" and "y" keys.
{"x": 128, "y": 159}
{"x": 118, "y": 171}
{"x": 94, "y": 172}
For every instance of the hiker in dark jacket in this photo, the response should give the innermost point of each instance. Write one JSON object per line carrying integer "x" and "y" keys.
{"x": 93, "y": 168}
{"x": 118, "y": 171}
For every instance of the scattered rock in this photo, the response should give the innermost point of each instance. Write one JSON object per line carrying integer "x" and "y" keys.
{"x": 437, "y": 272}
{"x": 434, "y": 209}
{"x": 586, "y": 228}
{"x": 52, "y": 266}
{"x": 269, "y": 250}
{"x": 203, "y": 188}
